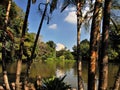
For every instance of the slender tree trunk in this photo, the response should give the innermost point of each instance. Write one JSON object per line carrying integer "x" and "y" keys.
{"x": 79, "y": 61}
{"x": 117, "y": 81}
{"x": 19, "y": 62}
{"x": 35, "y": 44}
{"x": 94, "y": 44}
{"x": 103, "y": 71}
{"x": 5, "y": 77}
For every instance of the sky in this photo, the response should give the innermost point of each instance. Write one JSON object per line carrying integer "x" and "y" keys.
{"x": 62, "y": 27}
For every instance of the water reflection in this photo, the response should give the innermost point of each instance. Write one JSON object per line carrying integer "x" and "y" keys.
{"x": 59, "y": 73}
{"x": 51, "y": 68}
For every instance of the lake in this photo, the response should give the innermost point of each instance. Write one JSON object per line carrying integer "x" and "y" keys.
{"x": 59, "y": 69}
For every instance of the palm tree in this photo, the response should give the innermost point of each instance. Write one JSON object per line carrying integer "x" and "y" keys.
{"x": 19, "y": 61}
{"x": 79, "y": 62}
{"x": 35, "y": 42}
{"x": 103, "y": 71}
{"x": 94, "y": 44}
{"x": 80, "y": 20}
{"x": 5, "y": 77}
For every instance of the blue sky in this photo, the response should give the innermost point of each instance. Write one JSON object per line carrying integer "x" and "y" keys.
{"x": 61, "y": 28}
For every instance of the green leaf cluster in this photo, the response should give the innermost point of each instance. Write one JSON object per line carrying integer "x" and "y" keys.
{"x": 84, "y": 50}
{"x": 55, "y": 83}
{"x": 45, "y": 50}
{"x": 114, "y": 43}
{"x": 13, "y": 32}
{"x": 64, "y": 54}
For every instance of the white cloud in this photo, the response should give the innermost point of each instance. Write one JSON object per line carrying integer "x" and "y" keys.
{"x": 71, "y": 17}
{"x": 70, "y": 9}
{"x": 59, "y": 46}
{"x": 53, "y": 26}
{"x": 73, "y": 9}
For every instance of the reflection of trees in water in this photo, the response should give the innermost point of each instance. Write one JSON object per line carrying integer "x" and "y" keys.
{"x": 43, "y": 69}
{"x": 60, "y": 73}
{"x": 49, "y": 69}
{"x": 113, "y": 68}
{"x": 84, "y": 71}
{"x": 112, "y": 72}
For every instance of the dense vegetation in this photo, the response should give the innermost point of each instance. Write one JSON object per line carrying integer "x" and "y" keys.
{"x": 45, "y": 50}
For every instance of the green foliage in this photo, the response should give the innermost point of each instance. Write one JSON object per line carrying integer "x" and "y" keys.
{"x": 51, "y": 44}
{"x": 64, "y": 54}
{"x": 13, "y": 11}
{"x": 62, "y": 57}
{"x": 55, "y": 83}
{"x": 84, "y": 49}
{"x": 2, "y": 16}
{"x": 44, "y": 51}
{"x": 113, "y": 54}
{"x": 114, "y": 43}
{"x": 53, "y": 5}
{"x": 74, "y": 53}
{"x": 10, "y": 43}
{"x": 13, "y": 32}
{"x": 29, "y": 40}
{"x": 68, "y": 55}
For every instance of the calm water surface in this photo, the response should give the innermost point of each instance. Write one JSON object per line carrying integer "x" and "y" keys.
{"x": 52, "y": 68}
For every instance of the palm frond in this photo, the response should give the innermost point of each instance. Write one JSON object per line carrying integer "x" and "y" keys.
{"x": 56, "y": 83}
{"x": 114, "y": 23}
{"x": 33, "y": 1}
{"x": 65, "y": 4}
{"x": 63, "y": 78}
{"x": 53, "y": 5}
{"x": 74, "y": 2}
{"x": 41, "y": 7}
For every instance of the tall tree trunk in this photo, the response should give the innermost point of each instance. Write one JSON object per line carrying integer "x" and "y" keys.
{"x": 5, "y": 77}
{"x": 94, "y": 44}
{"x": 35, "y": 44}
{"x": 103, "y": 71}
{"x": 19, "y": 62}
{"x": 79, "y": 61}
{"x": 117, "y": 81}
